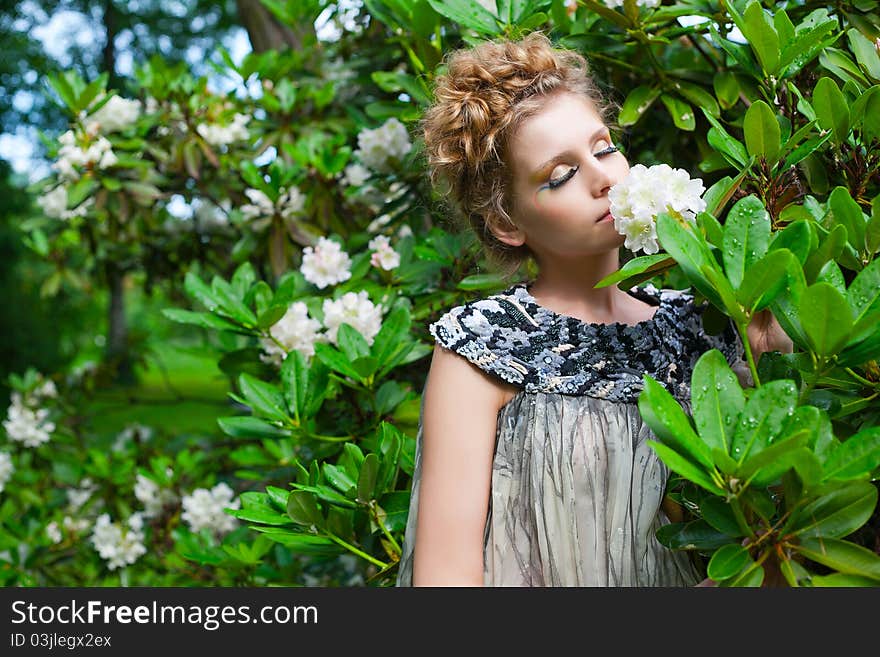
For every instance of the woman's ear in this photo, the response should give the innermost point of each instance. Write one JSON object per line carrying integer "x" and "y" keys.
{"x": 505, "y": 231}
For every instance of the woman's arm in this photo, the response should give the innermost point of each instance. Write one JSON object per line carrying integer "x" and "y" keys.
{"x": 459, "y": 423}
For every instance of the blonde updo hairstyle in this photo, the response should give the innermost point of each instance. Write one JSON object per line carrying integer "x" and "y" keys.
{"x": 486, "y": 92}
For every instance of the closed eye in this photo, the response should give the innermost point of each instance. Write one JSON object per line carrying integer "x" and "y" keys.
{"x": 561, "y": 180}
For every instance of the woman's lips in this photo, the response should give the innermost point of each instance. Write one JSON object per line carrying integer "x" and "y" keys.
{"x": 605, "y": 217}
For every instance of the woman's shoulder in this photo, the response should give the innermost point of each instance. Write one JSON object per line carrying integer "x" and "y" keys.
{"x": 489, "y": 332}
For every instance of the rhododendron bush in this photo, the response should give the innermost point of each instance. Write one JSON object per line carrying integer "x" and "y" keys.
{"x": 291, "y": 222}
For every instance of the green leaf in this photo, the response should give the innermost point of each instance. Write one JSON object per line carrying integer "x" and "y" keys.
{"x": 263, "y": 398}
{"x": 294, "y": 377}
{"x": 468, "y": 14}
{"x": 231, "y": 304}
{"x": 746, "y": 237}
{"x": 638, "y": 265}
{"x": 766, "y": 279}
{"x": 303, "y": 508}
{"x": 726, "y": 88}
{"x": 698, "y": 96}
{"x": 716, "y": 399}
{"x": 762, "y": 132}
{"x": 636, "y": 104}
{"x": 249, "y": 427}
{"x": 762, "y": 37}
{"x": 795, "y": 237}
{"x": 865, "y": 52}
{"x": 846, "y": 557}
{"x": 863, "y": 294}
{"x": 340, "y": 479}
{"x": 366, "y": 485}
{"x": 681, "y": 112}
{"x": 719, "y": 139}
{"x": 718, "y": 513}
{"x": 831, "y": 108}
{"x": 476, "y": 282}
{"x": 690, "y": 252}
{"x": 694, "y": 535}
{"x": 829, "y": 249}
{"x": 847, "y": 212}
{"x": 335, "y": 360}
{"x": 299, "y": 543}
{"x": 826, "y": 318}
{"x": 727, "y": 561}
{"x": 663, "y": 414}
{"x": 205, "y": 320}
{"x": 836, "y": 514}
{"x": 857, "y": 456}
{"x": 839, "y": 580}
{"x": 264, "y": 516}
{"x": 762, "y": 418}
{"x": 394, "y": 332}
{"x": 351, "y": 342}
{"x": 687, "y": 469}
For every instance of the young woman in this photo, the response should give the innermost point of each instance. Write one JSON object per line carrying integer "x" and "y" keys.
{"x": 532, "y": 467}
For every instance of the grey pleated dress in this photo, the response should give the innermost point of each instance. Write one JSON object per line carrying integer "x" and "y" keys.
{"x": 575, "y": 488}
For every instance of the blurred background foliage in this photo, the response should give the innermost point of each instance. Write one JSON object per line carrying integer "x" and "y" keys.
{"x": 158, "y": 259}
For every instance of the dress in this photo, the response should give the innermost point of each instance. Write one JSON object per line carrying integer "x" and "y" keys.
{"x": 575, "y": 490}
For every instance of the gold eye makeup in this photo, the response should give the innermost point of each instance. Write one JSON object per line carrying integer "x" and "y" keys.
{"x": 558, "y": 181}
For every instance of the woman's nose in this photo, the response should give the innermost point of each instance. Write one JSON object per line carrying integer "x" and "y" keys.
{"x": 600, "y": 177}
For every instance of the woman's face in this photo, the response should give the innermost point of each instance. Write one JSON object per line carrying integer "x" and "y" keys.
{"x": 563, "y": 164}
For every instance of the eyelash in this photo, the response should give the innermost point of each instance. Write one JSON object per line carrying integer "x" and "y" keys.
{"x": 553, "y": 184}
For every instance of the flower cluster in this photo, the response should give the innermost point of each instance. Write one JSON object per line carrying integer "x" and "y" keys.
{"x": 203, "y": 509}
{"x": 378, "y": 148}
{"x": 325, "y": 263}
{"x": 6, "y": 469}
{"x": 77, "y": 497}
{"x": 152, "y": 496}
{"x": 27, "y": 424}
{"x": 384, "y": 256}
{"x": 89, "y": 151}
{"x": 119, "y": 547}
{"x": 294, "y": 331}
{"x": 646, "y": 192}
{"x": 223, "y": 135}
{"x": 116, "y": 115}
{"x": 648, "y": 4}
{"x": 355, "y": 309}
{"x": 261, "y": 208}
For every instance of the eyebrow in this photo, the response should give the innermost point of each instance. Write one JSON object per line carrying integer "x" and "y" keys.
{"x": 561, "y": 156}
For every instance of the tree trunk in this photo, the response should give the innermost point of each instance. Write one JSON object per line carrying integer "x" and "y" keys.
{"x": 108, "y": 53}
{"x": 264, "y": 30}
{"x": 117, "y": 352}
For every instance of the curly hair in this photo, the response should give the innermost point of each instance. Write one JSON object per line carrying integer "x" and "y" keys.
{"x": 486, "y": 92}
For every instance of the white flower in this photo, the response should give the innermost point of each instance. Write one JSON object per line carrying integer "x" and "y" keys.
{"x": 132, "y": 431}
{"x": 203, "y": 509}
{"x": 152, "y": 496}
{"x": 53, "y": 531}
{"x": 117, "y": 114}
{"x": 260, "y": 205}
{"x": 325, "y": 264}
{"x": 77, "y": 497}
{"x": 54, "y": 203}
{"x": 73, "y": 155}
{"x": 355, "y": 175}
{"x": 290, "y": 202}
{"x": 379, "y": 222}
{"x": 649, "y": 4}
{"x": 295, "y": 330}
{"x": 355, "y": 309}
{"x": 384, "y": 256}
{"x": 119, "y": 547}
{"x": 74, "y": 525}
{"x": 6, "y": 469}
{"x": 647, "y": 191}
{"x": 223, "y": 135}
{"x": 377, "y": 147}
{"x": 27, "y": 425}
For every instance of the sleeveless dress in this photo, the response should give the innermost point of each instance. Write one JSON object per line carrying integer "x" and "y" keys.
{"x": 575, "y": 490}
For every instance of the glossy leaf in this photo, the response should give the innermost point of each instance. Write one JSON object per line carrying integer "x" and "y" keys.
{"x": 826, "y": 318}
{"x": 846, "y": 557}
{"x": 765, "y": 279}
{"x": 687, "y": 469}
{"x": 668, "y": 421}
{"x": 762, "y": 418}
{"x": 716, "y": 399}
{"x": 761, "y": 132}
{"x": 831, "y": 109}
{"x": 638, "y": 265}
{"x": 718, "y": 513}
{"x": 746, "y": 237}
{"x": 727, "y": 561}
{"x": 795, "y": 237}
{"x": 302, "y": 508}
{"x": 636, "y": 104}
{"x": 838, "y": 513}
{"x": 694, "y": 535}
{"x": 681, "y": 112}
{"x": 857, "y": 456}
{"x": 263, "y": 397}
{"x": 690, "y": 252}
